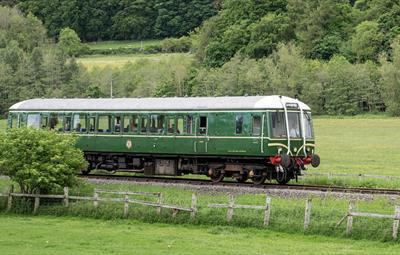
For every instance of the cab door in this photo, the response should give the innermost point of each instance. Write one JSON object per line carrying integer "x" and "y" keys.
{"x": 256, "y": 133}
{"x": 202, "y": 134}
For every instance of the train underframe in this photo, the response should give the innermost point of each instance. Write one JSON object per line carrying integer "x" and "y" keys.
{"x": 281, "y": 168}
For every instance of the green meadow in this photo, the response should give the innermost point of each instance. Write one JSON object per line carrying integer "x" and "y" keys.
{"x": 121, "y": 44}
{"x": 65, "y": 235}
{"x": 119, "y": 60}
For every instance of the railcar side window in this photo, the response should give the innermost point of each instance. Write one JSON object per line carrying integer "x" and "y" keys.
{"x": 80, "y": 123}
{"x": 22, "y": 120}
{"x": 239, "y": 124}
{"x": 134, "y": 124}
{"x": 189, "y": 125}
{"x": 104, "y": 124}
{"x": 117, "y": 124}
{"x": 67, "y": 123}
{"x": 92, "y": 124}
{"x": 157, "y": 124}
{"x": 278, "y": 124}
{"x": 203, "y": 125}
{"x": 171, "y": 125}
{"x": 143, "y": 126}
{"x": 308, "y": 125}
{"x": 44, "y": 121}
{"x": 294, "y": 124}
{"x": 256, "y": 125}
{"x": 14, "y": 121}
{"x": 126, "y": 123}
{"x": 55, "y": 122}
{"x": 180, "y": 125}
{"x": 33, "y": 120}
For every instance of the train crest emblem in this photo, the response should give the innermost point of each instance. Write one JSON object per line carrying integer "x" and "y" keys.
{"x": 128, "y": 144}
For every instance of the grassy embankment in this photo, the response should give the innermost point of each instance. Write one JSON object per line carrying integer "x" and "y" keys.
{"x": 51, "y": 235}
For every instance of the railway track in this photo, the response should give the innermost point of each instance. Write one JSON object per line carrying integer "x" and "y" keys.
{"x": 200, "y": 182}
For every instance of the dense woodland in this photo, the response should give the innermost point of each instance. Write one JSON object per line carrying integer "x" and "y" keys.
{"x": 120, "y": 19}
{"x": 341, "y": 57}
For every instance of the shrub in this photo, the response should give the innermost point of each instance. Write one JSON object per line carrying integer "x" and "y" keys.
{"x": 40, "y": 160}
{"x": 182, "y": 44}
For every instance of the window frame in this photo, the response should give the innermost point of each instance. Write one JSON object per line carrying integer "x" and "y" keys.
{"x": 86, "y": 122}
{"x": 174, "y": 122}
{"x": 109, "y": 124}
{"x": 242, "y": 124}
{"x": 253, "y": 117}
{"x": 64, "y": 118}
{"x": 199, "y": 128}
{"x": 271, "y": 127}
{"x": 114, "y": 124}
{"x": 141, "y": 118}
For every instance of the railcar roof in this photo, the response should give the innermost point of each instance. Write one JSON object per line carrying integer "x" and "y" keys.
{"x": 154, "y": 104}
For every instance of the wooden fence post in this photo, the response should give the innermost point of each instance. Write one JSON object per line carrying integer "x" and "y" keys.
{"x": 229, "y": 214}
{"x": 267, "y": 211}
{"x": 194, "y": 206}
{"x": 174, "y": 212}
{"x": 95, "y": 199}
{"x": 37, "y": 203}
{"x": 126, "y": 205}
{"x": 159, "y": 202}
{"x": 307, "y": 214}
{"x": 396, "y": 222}
{"x": 66, "y": 196}
{"x": 349, "y": 228}
{"x": 10, "y": 198}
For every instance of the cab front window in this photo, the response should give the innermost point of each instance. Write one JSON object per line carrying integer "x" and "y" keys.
{"x": 308, "y": 125}
{"x": 278, "y": 124}
{"x": 294, "y": 124}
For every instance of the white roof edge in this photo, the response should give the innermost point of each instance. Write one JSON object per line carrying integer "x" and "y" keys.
{"x": 153, "y": 104}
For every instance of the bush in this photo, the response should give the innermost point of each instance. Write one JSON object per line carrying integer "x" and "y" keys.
{"x": 40, "y": 160}
{"x": 182, "y": 44}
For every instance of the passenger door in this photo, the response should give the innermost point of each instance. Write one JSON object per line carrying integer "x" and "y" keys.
{"x": 202, "y": 134}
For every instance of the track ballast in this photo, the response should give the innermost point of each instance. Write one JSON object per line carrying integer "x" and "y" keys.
{"x": 200, "y": 182}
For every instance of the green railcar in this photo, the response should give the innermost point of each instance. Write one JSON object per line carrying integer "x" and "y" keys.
{"x": 255, "y": 137}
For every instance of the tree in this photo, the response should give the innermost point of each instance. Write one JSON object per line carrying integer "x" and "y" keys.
{"x": 367, "y": 41}
{"x": 40, "y": 160}
{"x": 321, "y": 25}
{"x": 267, "y": 33}
{"x": 69, "y": 42}
{"x": 390, "y": 82}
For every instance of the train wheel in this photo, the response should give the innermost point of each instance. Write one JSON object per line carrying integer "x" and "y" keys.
{"x": 216, "y": 175}
{"x": 258, "y": 180}
{"x": 283, "y": 181}
{"x": 282, "y": 176}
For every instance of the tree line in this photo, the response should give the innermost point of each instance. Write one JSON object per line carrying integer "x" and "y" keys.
{"x": 358, "y": 30}
{"x": 360, "y": 75}
{"x": 119, "y": 19}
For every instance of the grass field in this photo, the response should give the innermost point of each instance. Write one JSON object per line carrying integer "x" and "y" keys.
{"x": 359, "y": 145}
{"x": 120, "y": 60}
{"x": 61, "y": 235}
{"x": 122, "y": 44}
